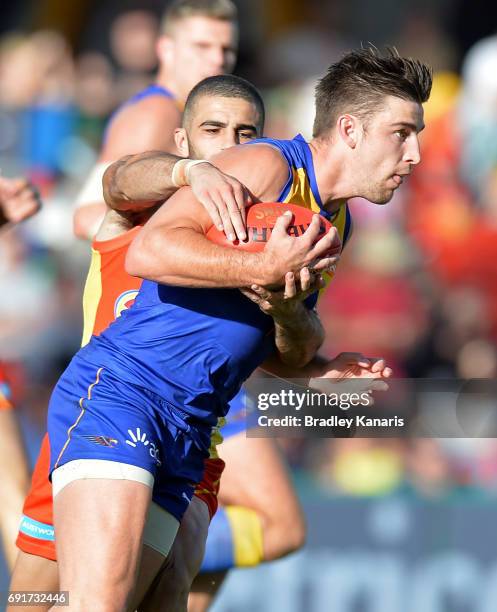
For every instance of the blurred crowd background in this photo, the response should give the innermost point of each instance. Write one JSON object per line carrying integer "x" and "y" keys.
{"x": 418, "y": 282}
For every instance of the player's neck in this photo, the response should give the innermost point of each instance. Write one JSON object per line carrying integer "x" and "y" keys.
{"x": 329, "y": 172}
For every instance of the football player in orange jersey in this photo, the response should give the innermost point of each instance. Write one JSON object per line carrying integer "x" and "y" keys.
{"x": 228, "y": 112}
{"x": 19, "y": 200}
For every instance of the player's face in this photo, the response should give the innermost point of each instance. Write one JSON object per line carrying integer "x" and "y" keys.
{"x": 216, "y": 124}
{"x": 201, "y": 47}
{"x": 389, "y": 148}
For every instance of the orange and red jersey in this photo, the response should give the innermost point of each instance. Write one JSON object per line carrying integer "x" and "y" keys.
{"x": 108, "y": 289}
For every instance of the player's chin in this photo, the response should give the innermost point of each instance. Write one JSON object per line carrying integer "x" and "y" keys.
{"x": 382, "y": 197}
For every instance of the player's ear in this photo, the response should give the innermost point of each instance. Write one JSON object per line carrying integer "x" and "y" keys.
{"x": 348, "y": 128}
{"x": 164, "y": 48}
{"x": 181, "y": 142}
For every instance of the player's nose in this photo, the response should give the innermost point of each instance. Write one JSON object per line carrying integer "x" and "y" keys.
{"x": 230, "y": 140}
{"x": 413, "y": 153}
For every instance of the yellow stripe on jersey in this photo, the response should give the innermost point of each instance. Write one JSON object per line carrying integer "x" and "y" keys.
{"x": 301, "y": 193}
{"x": 91, "y": 296}
{"x": 216, "y": 438}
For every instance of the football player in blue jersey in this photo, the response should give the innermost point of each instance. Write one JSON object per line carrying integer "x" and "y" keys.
{"x": 160, "y": 376}
{"x": 383, "y": 149}
{"x": 272, "y": 530}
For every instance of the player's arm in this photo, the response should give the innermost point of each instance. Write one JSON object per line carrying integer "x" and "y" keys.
{"x": 146, "y": 125}
{"x": 172, "y": 247}
{"x": 298, "y": 329}
{"x": 19, "y": 200}
{"x": 368, "y": 373}
{"x": 137, "y": 182}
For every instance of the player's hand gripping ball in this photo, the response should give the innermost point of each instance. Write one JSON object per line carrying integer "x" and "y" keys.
{"x": 261, "y": 218}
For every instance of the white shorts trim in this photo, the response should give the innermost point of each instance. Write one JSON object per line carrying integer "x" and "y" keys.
{"x": 160, "y": 529}
{"x": 81, "y": 469}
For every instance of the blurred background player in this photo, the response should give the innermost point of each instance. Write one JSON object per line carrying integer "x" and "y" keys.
{"x": 199, "y": 38}
{"x": 18, "y": 201}
{"x": 221, "y": 112}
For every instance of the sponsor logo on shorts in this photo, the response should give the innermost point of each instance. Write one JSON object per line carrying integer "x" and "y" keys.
{"x": 124, "y": 301}
{"x": 35, "y": 529}
{"x": 137, "y": 437}
{"x": 101, "y": 440}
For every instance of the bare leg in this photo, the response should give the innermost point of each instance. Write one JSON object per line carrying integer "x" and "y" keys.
{"x": 167, "y": 580}
{"x": 33, "y": 573}
{"x": 169, "y": 592}
{"x": 163, "y": 582}
{"x": 204, "y": 589}
{"x": 99, "y": 525}
{"x": 14, "y": 476}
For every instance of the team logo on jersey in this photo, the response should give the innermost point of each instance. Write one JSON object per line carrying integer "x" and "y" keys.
{"x": 124, "y": 301}
{"x": 101, "y": 440}
{"x": 137, "y": 437}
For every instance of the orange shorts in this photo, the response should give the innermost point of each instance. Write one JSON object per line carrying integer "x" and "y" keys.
{"x": 36, "y": 534}
{"x": 208, "y": 489}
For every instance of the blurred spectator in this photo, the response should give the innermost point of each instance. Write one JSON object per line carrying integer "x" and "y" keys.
{"x": 428, "y": 470}
{"x": 362, "y": 467}
{"x": 133, "y": 37}
{"x": 36, "y": 89}
{"x": 478, "y": 114}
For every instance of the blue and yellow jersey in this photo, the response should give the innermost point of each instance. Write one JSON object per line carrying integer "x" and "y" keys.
{"x": 194, "y": 347}
{"x": 301, "y": 187}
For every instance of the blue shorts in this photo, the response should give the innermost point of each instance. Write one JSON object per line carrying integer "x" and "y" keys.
{"x": 93, "y": 415}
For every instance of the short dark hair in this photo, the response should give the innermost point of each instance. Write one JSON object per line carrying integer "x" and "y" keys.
{"x": 225, "y": 86}
{"x": 224, "y": 10}
{"x": 358, "y": 83}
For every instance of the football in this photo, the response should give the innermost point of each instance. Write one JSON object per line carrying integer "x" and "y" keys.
{"x": 261, "y": 218}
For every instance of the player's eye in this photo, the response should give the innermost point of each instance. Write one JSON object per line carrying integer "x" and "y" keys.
{"x": 246, "y": 135}
{"x": 402, "y": 134}
{"x": 211, "y": 130}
